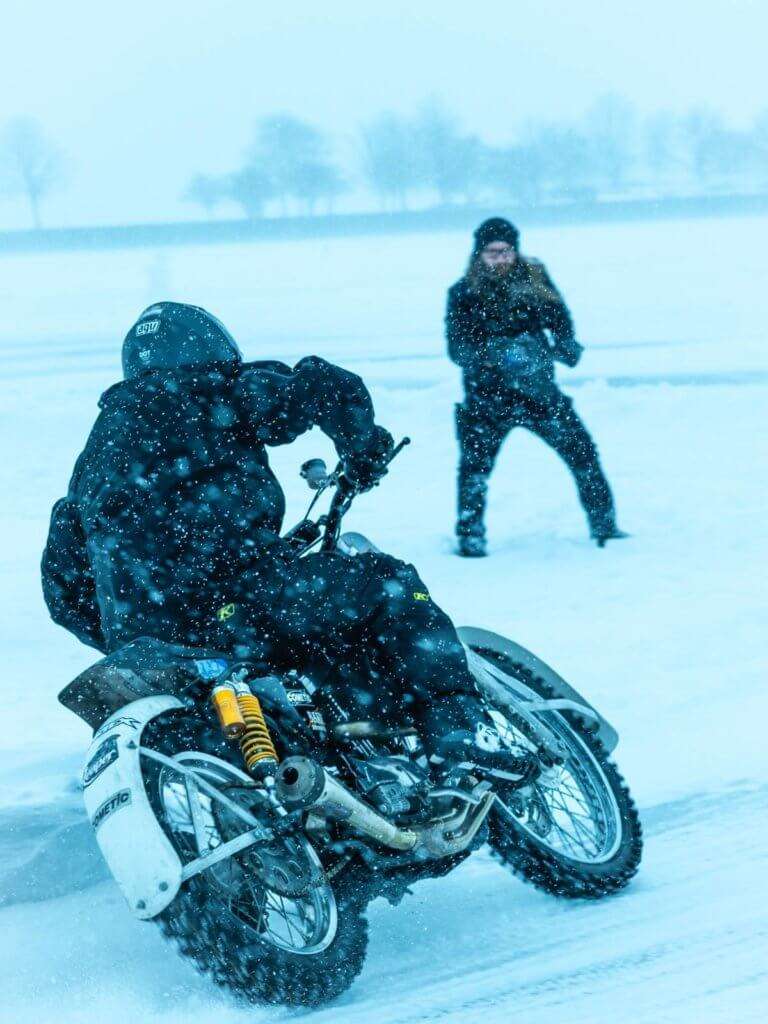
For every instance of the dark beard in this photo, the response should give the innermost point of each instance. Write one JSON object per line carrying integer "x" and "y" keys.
{"x": 491, "y": 284}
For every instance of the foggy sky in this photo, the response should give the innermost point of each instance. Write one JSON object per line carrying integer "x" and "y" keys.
{"x": 142, "y": 95}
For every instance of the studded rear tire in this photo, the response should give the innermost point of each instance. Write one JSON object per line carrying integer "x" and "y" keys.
{"x": 220, "y": 943}
{"x": 221, "y": 947}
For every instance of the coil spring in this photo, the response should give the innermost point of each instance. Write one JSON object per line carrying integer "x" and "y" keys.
{"x": 255, "y": 744}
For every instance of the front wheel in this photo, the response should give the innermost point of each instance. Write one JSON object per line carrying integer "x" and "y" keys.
{"x": 575, "y": 831}
{"x": 264, "y": 923}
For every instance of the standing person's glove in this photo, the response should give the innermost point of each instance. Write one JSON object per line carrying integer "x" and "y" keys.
{"x": 567, "y": 350}
{"x": 365, "y": 468}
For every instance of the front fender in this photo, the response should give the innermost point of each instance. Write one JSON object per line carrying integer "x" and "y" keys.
{"x": 140, "y": 856}
{"x": 472, "y": 637}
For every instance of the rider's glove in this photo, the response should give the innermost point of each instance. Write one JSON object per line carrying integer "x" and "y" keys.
{"x": 365, "y": 468}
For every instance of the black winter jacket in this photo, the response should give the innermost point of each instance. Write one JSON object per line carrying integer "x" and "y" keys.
{"x": 488, "y": 328}
{"x": 173, "y": 495}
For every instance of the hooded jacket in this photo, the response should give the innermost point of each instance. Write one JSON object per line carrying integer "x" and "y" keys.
{"x": 173, "y": 494}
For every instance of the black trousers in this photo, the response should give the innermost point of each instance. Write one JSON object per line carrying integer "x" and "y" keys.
{"x": 369, "y": 626}
{"x": 482, "y": 428}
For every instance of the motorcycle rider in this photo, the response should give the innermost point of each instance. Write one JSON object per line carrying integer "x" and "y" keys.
{"x": 171, "y": 529}
{"x": 506, "y": 325}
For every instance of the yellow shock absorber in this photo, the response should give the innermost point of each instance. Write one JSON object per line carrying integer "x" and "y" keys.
{"x": 256, "y": 744}
{"x": 224, "y": 700}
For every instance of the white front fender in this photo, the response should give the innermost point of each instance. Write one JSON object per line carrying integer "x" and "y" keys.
{"x": 140, "y": 856}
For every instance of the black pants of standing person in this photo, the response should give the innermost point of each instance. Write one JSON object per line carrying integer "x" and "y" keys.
{"x": 482, "y": 428}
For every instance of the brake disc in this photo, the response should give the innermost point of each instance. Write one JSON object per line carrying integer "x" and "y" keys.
{"x": 530, "y": 810}
{"x": 288, "y": 865}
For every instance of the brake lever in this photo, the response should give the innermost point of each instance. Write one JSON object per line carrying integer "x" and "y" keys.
{"x": 315, "y": 472}
{"x": 398, "y": 448}
{"x": 353, "y": 487}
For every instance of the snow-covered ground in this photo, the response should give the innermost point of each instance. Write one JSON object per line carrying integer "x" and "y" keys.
{"x": 664, "y": 632}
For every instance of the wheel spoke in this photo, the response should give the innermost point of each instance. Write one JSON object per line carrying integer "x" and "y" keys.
{"x": 572, "y": 809}
{"x": 306, "y": 924}
{"x": 574, "y": 819}
{"x": 567, "y": 808}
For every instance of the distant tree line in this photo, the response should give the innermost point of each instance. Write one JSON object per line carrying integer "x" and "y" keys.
{"x": 427, "y": 159}
{"x": 287, "y": 162}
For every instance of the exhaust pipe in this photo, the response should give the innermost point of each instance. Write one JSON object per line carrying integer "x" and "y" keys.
{"x": 302, "y": 783}
{"x": 454, "y": 835}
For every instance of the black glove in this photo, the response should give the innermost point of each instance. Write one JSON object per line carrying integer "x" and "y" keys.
{"x": 365, "y": 468}
{"x": 568, "y": 351}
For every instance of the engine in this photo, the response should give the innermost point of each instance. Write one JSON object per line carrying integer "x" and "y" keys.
{"x": 391, "y": 783}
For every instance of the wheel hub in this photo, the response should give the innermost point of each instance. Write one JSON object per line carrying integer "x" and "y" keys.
{"x": 285, "y": 868}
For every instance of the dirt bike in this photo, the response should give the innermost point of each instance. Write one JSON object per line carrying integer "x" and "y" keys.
{"x": 253, "y": 816}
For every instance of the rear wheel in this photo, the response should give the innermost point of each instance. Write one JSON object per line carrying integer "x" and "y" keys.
{"x": 265, "y": 923}
{"x": 575, "y": 831}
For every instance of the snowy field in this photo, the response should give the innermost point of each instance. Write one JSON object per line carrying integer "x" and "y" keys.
{"x": 664, "y": 632}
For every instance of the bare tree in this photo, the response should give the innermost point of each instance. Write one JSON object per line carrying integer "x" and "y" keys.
{"x": 207, "y": 191}
{"x": 30, "y": 164}
{"x": 252, "y": 188}
{"x": 720, "y": 156}
{"x": 294, "y": 154}
{"x": 556, "y": 157}
{"x": 611, "y": 126}
{"x": 700, "y": 127}
{"x": 316, "y": 181}
{"x": 663, "y": 148}
{"x": 448, "y": 161}
{"x": 391, "y": 158}
{"x": 514, "y": 172}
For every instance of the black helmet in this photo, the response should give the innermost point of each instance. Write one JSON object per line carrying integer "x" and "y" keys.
{"x": 170, "y": 335}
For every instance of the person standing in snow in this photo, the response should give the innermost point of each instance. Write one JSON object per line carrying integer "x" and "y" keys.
{"x": 173, "y": 517}
{"x": 506, "y": 326}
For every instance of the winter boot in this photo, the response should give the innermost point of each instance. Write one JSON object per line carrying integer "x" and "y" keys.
{"x": 601, "y": 536}
{"x": 470, "y": 531}
{"x": 471, "y": 547}
{"x": 462, "y": 738}
{"x": 482, "y": 752}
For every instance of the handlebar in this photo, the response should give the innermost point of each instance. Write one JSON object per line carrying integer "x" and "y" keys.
{"x": 307, "y": 533}
{"x": 315, "y": 471}
{"x": 398, "y": 448}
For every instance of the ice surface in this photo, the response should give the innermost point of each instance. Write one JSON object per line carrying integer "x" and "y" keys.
{"x": 664, "y": 632}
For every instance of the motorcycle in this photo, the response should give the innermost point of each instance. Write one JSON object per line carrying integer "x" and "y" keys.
{"x": 253, "y": 816}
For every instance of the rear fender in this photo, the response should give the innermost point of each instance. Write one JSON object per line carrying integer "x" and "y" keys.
{"x": 140, "y": 856}
{"x": 471, "y": 637}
